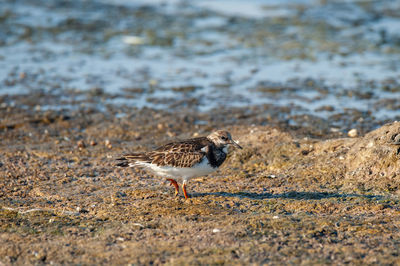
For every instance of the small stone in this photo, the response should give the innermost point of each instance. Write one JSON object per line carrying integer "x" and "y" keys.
{"x": 171, "y": 134}
{"x": 275, "y": 217}
{"x": 153, "y": 82}
{"x": 216, "y": 230}
{"x": 138, "y": 224}
{"x": 352, "y": 133}
{"x": 96, "y": 91}
{"x": 107, "y": 143}
{"x": 81, "y": 144}
{"x": 93, "y": 143}
{"x": 133, "y": 40}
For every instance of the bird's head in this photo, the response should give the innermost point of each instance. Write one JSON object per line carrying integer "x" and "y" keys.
{"x": 222, "y": 138}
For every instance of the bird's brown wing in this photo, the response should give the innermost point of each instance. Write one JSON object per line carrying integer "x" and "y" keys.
{"x": 177, "y": 154}
{"x": 190, "y": 145}
{"x": 176, "y": 158}
{"x": 185, "y": 153}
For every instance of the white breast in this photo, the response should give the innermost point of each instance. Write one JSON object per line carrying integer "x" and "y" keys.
{"x": 185, "y": 173}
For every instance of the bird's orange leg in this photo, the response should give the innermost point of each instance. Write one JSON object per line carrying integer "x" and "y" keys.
{"x": 184, "y": 190}
{"x": 173, "y": 182}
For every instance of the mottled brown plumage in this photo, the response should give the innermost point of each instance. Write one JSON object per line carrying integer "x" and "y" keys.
{"x": 184, "y": 159}
{"x": 184, "y": 153}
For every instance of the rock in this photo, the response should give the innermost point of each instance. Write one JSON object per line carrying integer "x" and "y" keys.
{"x": 108, "y": 144}
{"x": 133, "y": 40}
{"x": 353, "y": 133}
{"x": 81, "y": 144}
{"x": 160, "y": 126}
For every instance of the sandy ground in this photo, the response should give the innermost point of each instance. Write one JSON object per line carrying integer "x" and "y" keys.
{"x": 78, "y": 80}
{"x": 286, "y": 198}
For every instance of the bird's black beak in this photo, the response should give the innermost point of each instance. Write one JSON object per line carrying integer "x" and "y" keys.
{"x": 234, "y": 143}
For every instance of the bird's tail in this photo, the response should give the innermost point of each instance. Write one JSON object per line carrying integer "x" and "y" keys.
{"x": 131, "y": 159}
{"x": 122, "y": 164}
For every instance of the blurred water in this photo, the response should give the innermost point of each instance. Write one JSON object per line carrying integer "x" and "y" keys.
{"x": 342, "y": 54}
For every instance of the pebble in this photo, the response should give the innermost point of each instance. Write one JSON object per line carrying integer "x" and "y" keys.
{"x": 352, "y": 133}
{"x": 153, "y": 82}
{"x": 138, "y": 224}
{"x": 171, "y": 134}
{"x": 81, "y": 144}
{"x": 133, "y": 40}
{"x": 216, "y": 230}
{"x": 160, "y": 126}
{"x": 108, "y": 144}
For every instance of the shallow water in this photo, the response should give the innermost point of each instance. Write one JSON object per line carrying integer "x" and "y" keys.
{"x": 318, "y": 58}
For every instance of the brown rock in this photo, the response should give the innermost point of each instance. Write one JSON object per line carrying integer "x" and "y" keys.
{"x": 81, "y": 144}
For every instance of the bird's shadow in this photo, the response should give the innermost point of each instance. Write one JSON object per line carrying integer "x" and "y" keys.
{"x": 287, "y": 195}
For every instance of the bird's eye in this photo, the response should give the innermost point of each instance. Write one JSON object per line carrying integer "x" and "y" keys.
{"x": 224, "y": 138}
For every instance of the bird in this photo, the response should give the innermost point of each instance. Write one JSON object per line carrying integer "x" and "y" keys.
{"x": 185, "y": 159}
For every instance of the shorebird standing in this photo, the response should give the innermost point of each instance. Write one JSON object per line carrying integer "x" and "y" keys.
{"x": 183, "y": 160}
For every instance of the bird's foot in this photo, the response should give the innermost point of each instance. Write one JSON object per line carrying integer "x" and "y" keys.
{"x": 175, "y": 184}
{"x": 184, "y": 191}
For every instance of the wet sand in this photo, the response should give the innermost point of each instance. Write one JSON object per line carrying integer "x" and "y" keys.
{"x": 285, "y": 198}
